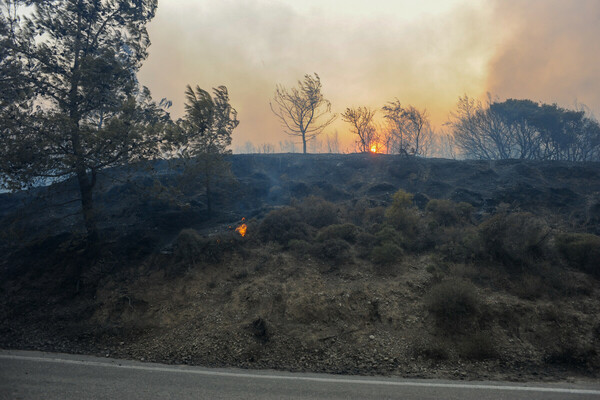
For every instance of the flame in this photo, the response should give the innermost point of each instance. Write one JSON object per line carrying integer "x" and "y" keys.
{"x": 242, "y": 228}
{"x": 376, "y": 148}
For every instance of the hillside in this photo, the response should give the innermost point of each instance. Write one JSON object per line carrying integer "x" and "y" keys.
{"x": 367, "y": 264}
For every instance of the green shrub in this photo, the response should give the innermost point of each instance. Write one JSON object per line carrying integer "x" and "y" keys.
{"x": 282, "y": 226}
{"x": 386, "y": 253}
{"x": 454, "y": 305}
{"x": 365, "y": 243}
{"x": 346, "y": 232}
{"x": 446, "y": 212}
{"x": 318, "y": 212}
{"x": 387, "y": 234}
{"x": 516, "y": 239}
{"x": 580, "y": 250}
{"x": 336, "y": 250}
{"x": 300, "y": 247}
{"x": 402, "y": 215}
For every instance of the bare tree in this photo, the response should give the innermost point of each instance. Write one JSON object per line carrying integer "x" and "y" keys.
{"x": 361, "y": 119}
{"x": 333, "y": 143}
{"x": 302, "y": 110}
{"x": 409, "y": 130}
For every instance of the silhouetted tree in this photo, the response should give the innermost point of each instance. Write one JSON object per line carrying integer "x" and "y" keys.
{"x": 361, "y": 119}
{"x": 83, "y": 109}
{"x": 409, "y": 130}
{"x": 204, "y": 135}
{"x": 524, "y": 129}
{"x": 302, "y": 110}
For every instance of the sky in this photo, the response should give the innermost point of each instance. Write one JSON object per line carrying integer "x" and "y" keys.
{"x": 367, "y": 53}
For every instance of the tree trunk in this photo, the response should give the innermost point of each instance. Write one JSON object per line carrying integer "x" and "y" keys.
{"x": 304, "y": 143}
{"x": 87, "y": 204}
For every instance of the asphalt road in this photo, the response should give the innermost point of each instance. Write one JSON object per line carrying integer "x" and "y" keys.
{"x": 34, "y": 375}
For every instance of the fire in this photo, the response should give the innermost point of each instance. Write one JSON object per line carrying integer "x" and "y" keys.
{"x": 375, "y": 148}
{"x": 242, "y": 228}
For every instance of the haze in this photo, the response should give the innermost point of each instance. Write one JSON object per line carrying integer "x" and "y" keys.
{"x": 368, "y": 53}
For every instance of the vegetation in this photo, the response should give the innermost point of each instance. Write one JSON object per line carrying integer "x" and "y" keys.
{"x": 303, "y": 110}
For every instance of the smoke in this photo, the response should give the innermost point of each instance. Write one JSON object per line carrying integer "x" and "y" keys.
{"x": 365, "y": 56}
{"x": 552, "y": 53}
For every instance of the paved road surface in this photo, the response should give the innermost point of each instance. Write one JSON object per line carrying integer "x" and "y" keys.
{"x": 34, "y": 375}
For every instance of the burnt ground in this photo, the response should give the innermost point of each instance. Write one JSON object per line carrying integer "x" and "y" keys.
{"x": 301, "y": 300}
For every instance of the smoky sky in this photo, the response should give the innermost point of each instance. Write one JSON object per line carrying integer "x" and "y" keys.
{"x": 552, "y": 53}
{"x": 369, "y": 53}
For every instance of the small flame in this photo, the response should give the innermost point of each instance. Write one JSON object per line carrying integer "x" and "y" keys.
{"x": 242, "y": 228}
{"x": 374, "y": 148}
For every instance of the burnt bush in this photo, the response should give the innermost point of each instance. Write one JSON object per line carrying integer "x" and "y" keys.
{"x": 347, "y": 232}
{"x": 455, "y": 306}
{"x": 516, "y": 240}
{"x": 580, "y": 250}
{"x": 283, "y": 225}
{"x": 191, "y": 247}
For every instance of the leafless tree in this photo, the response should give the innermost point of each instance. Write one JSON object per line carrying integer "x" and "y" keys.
{"x": 333, "y": 143}
{"x": 303, "y": 111}
{"x": 409, "y": 131}
{"x": 361, "y": 119}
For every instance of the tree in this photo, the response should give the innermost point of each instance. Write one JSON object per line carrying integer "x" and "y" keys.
{"x": 409, "y": 130}
{"x": 302, "y": 110}
{"x": 204, "y": 135}
{"x": 361, "y": 119}
{"x": 84, "y": 110}
{"x": 523, "y": 129}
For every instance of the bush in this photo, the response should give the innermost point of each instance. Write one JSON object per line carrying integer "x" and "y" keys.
{"x": 402, "y": 215}
{"x": 454, "y": 305}
{"x": 346, "y": 232}
{"x": 386, "y": 253}
{"x": 282, "y": 226}
{"x": 446, "y": 212}
{"x": 336, "y": 250}
{"x": 516, "y": 239}
{"x": 318, "y": 212}
{"x": 479, "y": 346}
{"x": 191, "y": 247}
{"x": 580, "y": 250}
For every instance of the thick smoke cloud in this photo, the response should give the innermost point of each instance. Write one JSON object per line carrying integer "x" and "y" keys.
{"x": 363, "y": 58}
{"x": 552, "y": 54}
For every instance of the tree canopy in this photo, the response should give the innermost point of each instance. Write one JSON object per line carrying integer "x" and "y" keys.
{"x": 75, "y": 94}
{"x": 303, "y": 110}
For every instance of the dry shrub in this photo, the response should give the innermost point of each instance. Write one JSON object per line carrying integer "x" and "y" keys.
{"x": 345, "y": 232}
{"x": 455, "y": 306}
{"x": 401, "y": 214}
{"x": 478, "y": 346}
{"x": 430, "y": 347}
{"x": 336, "y": 250}
{"x": 282, "y": 226}
{"x": 580, "y": 250}
{"x": 447, "y": 213}
{"x": 458, "y": 244}
{"x": 318, "y": 212}
{"x": 191, "y": 247}
{"x": 516, "y": 239}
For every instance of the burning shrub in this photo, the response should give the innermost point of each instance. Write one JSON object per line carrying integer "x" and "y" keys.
{"x": 446, "y": 212}
{"x": 346, "y": 232}
{"x": 318, "y": 212}
{"x": 282, "y": 226}
{"x": 580, "y": 250}
{"x": 513, "y": 239}
{"x": 454, "y": 305}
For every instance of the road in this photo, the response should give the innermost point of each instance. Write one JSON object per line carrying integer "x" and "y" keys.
{"x": 35, "y": 375}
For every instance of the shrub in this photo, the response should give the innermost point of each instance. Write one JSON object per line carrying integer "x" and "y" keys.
{"x": 386, "y": 253}
{"x": 387, "y": 234}
{"x": 402, "y": 215}
{"x": 336, "y": 250}
{"x": 318, "y": 212}
{"x": 513, "y": 239}
{"x": 364, "y": 244}
{"x": 446, "y": 212}
{"x": 282, "y": 226}
{"x": 580, "y": 250}
{"x": 454, "y": 305}
{"x": 478, "y": 346}
{"x": 346, "y": 232}
{"x": 191, "y": 247}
